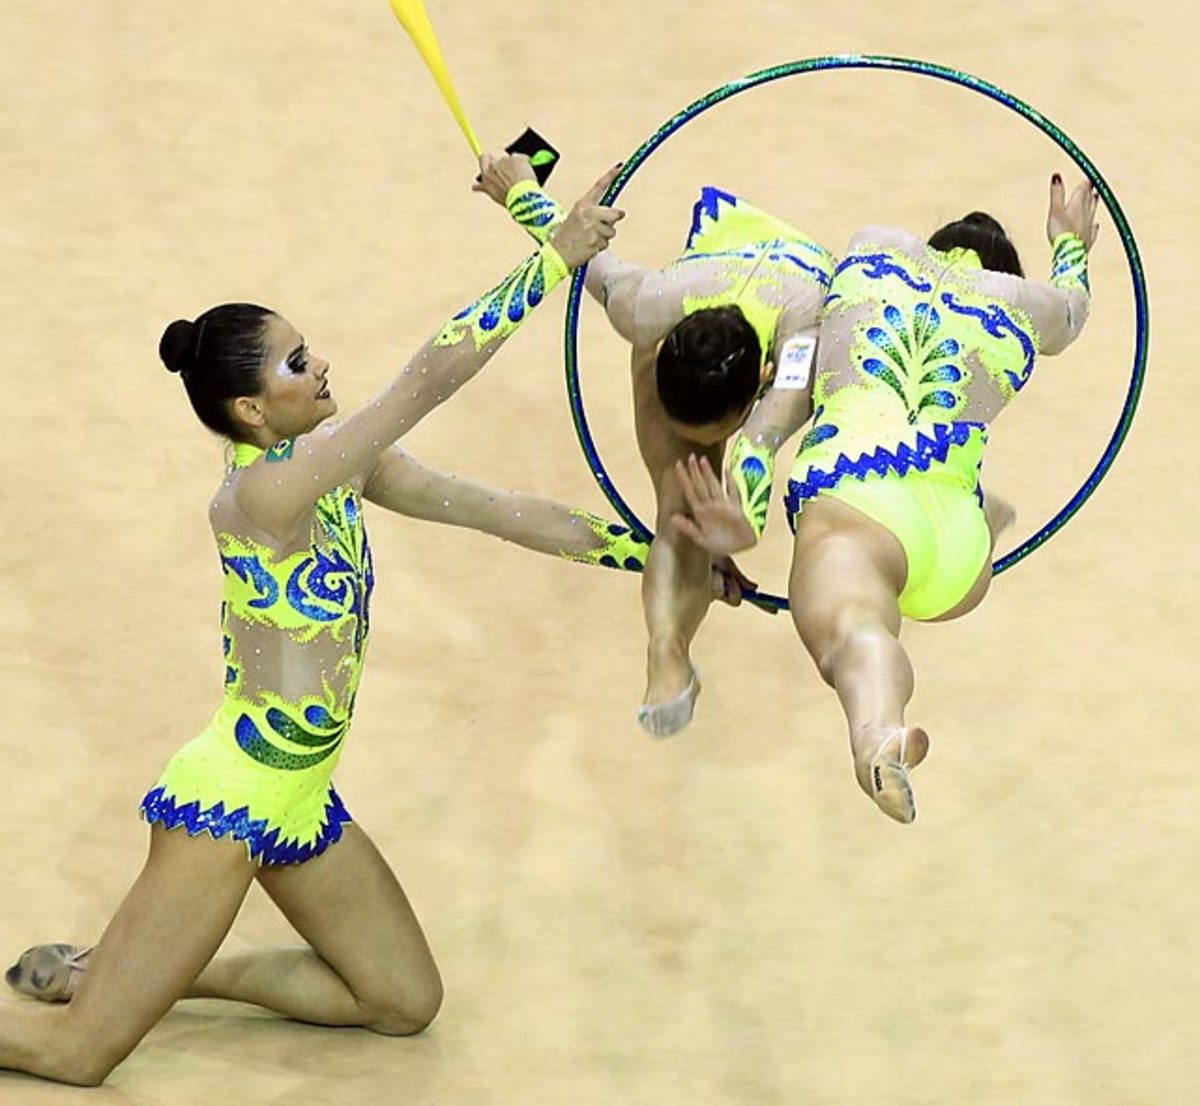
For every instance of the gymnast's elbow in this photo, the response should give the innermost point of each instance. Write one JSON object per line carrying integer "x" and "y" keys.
{"x": 1058, "y": 338}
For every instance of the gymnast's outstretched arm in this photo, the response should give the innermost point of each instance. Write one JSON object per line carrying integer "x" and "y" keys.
{"x": 402, "y": 484}
{"x": 1057, "y": 308}
{"x": 642, "y": 304}
{"x": 278, "y": 496}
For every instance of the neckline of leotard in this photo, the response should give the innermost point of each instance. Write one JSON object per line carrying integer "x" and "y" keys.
{"x": 964, "y": 256}
{"x": 244, "y": 453}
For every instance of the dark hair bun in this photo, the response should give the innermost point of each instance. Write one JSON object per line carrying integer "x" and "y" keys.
{"x": 176, "y": 346}
{"x": 985, "y": 221}
{"x": 978, "y": 231}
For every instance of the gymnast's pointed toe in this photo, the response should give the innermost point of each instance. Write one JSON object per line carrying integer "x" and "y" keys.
{"x": 665, "y": 719}
{"x": 883, "y": 775}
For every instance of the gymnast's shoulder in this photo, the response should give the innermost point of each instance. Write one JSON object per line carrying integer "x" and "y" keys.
{"x": 876, "y": 236}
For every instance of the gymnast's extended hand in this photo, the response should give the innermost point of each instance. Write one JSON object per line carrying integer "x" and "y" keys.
{"x": 499, "y": 172}
{"x": 618, "y": 286}
{"x": 716, "y": 522}
{"x": 1076, "y": 215}
{"x": 589, "y": 227}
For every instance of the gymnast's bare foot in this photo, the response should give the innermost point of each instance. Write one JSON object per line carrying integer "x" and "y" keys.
{"x": 882, "y": 757}
{"x": 48, "y": 972}
{"x": 671, "y": 690}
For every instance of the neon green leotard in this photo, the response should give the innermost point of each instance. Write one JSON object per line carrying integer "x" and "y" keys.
{"x": 735, "y": 255}
{"x": 919, "y": 352}
{"x": 295, "y": 633}
{"x": 764, "y": 256}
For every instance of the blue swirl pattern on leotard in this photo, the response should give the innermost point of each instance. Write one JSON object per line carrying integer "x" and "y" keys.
{"x": 252, "y": 571}
{"x": 999, "y": 324}
{"x": 326, "y": 739}
{"x": 878, "y": 265}
{"x": 336, "y": 582}
{"x": 329, "y": 583}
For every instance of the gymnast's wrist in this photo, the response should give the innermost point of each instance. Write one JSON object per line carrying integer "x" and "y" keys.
{"x": 554, "y": 266}
{"x": 618, "y": 546}
{"x": 519, "y": 190}
{"x": 1065, "y": 239}
{"x": 531, "y": 208}
{"x": 1069, "y": 263}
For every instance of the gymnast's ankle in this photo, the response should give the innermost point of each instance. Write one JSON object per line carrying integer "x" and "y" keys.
{"x": 669, "y": 671}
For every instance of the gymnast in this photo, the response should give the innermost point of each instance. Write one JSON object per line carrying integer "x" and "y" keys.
{"x": 706, "y": 333}
{"x": 921, "y": 347}
{"x": 253, "y": 790}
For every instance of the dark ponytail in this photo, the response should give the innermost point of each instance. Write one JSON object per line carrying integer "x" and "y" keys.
{"x": 219, "y": 357}
{"x": 983, "y": 234}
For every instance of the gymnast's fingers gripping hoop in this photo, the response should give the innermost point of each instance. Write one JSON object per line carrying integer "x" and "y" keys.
{"x": 922, "y": 68}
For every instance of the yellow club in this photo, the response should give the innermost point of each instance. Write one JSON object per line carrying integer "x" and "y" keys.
{"x": 414, "y": 19}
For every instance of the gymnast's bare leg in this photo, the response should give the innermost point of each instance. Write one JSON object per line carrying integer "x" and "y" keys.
{"x": 366, "y": 962}
{"x": 846, "y": 579}
{"x": 170, "y": 924}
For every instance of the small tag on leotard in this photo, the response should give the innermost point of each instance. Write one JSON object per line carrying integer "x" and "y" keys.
{"x": 795, "y": 362}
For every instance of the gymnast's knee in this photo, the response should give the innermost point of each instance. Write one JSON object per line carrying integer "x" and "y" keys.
{"x": 854, "y": 639}
{"x": 407, "y": 1011}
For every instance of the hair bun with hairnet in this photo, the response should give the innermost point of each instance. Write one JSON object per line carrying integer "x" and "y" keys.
{"x": 177, "y": 347}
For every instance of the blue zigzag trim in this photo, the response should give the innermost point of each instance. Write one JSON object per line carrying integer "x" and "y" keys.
{"x": 264, "y": 844}
{"x": 881, "y": 460}
{"x": 709, "y": 204}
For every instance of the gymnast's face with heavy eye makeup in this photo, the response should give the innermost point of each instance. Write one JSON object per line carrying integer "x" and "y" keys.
{"x": 295, "y": 396}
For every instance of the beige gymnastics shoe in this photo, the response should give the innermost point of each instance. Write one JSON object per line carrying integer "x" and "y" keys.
{"x": 883, "y": 775}
{"x": 665, "y": 719}
{"x": 50, "y": 973}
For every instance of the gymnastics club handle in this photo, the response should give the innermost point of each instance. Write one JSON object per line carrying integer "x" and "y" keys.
{"x": 414, "y": 19}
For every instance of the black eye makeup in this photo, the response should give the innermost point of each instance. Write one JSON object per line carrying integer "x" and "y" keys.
{"x": 297, "y": 360}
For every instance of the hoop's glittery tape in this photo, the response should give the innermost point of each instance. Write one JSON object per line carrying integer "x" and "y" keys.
{"x": 925, "y": 69}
